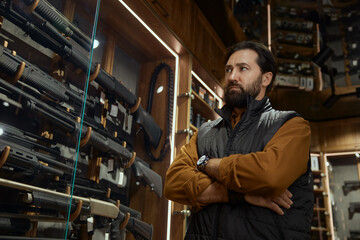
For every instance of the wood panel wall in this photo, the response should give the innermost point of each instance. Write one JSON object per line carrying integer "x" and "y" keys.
{"x": 193, "y": 30}
{"x": 335, "y": 136}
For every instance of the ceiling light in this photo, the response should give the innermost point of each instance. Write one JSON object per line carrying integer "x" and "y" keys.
{"x": 6, "y": 104}
{"x": 357, "y": 155}
{"x": 1, "y": 131}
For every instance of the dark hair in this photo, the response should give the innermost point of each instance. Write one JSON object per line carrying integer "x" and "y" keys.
{"x": 265, "y": 60}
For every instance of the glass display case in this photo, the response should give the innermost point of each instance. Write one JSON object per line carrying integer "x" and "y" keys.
{"x": 83, "y": 114}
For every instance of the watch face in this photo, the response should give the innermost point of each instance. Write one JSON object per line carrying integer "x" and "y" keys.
{"x": 202, "y": 159}
{"x": 202, "y": 162}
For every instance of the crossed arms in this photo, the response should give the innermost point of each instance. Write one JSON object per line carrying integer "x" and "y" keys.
{"x": 262, "y": 177}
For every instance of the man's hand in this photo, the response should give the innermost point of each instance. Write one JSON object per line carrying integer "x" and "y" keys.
{"x": 283, "y": 200}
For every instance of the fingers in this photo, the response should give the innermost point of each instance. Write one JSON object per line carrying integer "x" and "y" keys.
{"x": 263, "y": 202}
{"x": 275, "y": 204}
{"x": 275, "y": 207}
{"x": 284, "y": 200}
{"x": 288, "y": 193}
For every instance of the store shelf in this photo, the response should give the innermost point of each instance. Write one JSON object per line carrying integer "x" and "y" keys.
{"x": 193, "y": 128}
{"x": 319, "y": 209}
{"x": 296, "y": 47}
{"x": 322, "y": 209}
{"x": 317, "y": 173}
{"x": 322, "y": 229}
{"x": 293, "y": 60}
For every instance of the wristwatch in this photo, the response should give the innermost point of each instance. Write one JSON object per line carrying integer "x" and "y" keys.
{"x": 201, "y": 163}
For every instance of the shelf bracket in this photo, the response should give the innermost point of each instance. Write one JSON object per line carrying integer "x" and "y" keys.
{"x": 188, "y": 94}
{"x": 186, "y": 213}
{"x": 187, "y": 131}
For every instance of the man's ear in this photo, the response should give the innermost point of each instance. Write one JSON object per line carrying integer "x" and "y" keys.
{"x": 266, "y": 79}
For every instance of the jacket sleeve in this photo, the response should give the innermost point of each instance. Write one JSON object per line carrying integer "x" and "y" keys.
{"x": 273, "y": 170}
{"x": 183, "y": 182}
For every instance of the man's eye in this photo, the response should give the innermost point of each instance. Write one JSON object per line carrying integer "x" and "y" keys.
{"x": 243, "y": 68}
{"x": 228, "y": 70}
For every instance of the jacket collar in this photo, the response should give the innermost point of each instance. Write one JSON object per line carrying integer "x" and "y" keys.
{"x": 254, "y": 107}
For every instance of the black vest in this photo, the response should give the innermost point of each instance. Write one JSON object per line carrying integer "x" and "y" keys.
{"x": 242, "y": 221}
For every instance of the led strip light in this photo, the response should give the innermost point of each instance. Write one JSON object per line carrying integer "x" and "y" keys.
{"x": 207, "y": 88}
{"x": 172, "y": 139}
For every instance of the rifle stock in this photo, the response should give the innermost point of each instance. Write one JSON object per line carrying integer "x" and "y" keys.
{"x": 350, "y": 186}
{"x": 138, "y": 228}
{"x": 354, "y": 207}
{"x": 146, "y": 176}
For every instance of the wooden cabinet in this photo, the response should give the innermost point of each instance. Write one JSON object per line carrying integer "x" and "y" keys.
{"x": 178, "y": 15}
{"x": 192, "y": 28}
{"x": 206, "y": 96}
{"x": 328, "y": 138}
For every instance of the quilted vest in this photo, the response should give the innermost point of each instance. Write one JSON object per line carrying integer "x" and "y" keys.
{"x": 243, "y": 221}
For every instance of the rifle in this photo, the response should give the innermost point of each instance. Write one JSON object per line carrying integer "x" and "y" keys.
{"x": 22, "y": 152}
{"x": 354, "y": 207}
{"x": 96, "y": 207}
{"x": 42, "y": 32}
{"x": 47, "y": 199}
{"x": 21, "y": 158}
{"x": 350, "y": 186}
{"x": 104, "y": 144}
{"x": 43, "y": 83}
{"x": 142, "y": 171}
{"x": 35, "y": 77}
{"x": 60, "y": 22}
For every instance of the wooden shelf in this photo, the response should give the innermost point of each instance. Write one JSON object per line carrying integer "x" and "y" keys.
{"x": 193, "y": 128}
{"x": 294, "y": 31}
{"x": 319, "y": 209}
{"x": 293, "y": 60}
{"x": 319, "y": 191}
{"x": 292, "y": 19}
{"x": 322, "y": 229}
{"x": 295, "y": 47}
{"x": 299, "y": 4}
{"x": 318, "y": 173}
{"x": 293, "y": 75}
{"x": 201, "y": 107}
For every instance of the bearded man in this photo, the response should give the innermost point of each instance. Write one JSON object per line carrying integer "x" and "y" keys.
{"x": 246, "y": 175}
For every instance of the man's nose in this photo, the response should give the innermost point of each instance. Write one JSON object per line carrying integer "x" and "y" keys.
{"x": 234, "y": 75}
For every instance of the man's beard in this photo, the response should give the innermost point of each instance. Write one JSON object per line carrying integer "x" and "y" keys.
{"x": 238, "y": 98}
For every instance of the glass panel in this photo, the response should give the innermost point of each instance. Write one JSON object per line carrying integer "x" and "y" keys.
{"x": 43, "y": 74}
{"x": 344, "y": 186}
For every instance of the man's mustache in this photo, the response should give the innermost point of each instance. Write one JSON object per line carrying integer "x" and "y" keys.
{"x": 233, "y": 84}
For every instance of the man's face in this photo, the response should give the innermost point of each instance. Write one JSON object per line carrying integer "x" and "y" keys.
{"x": 243, "y": 77}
